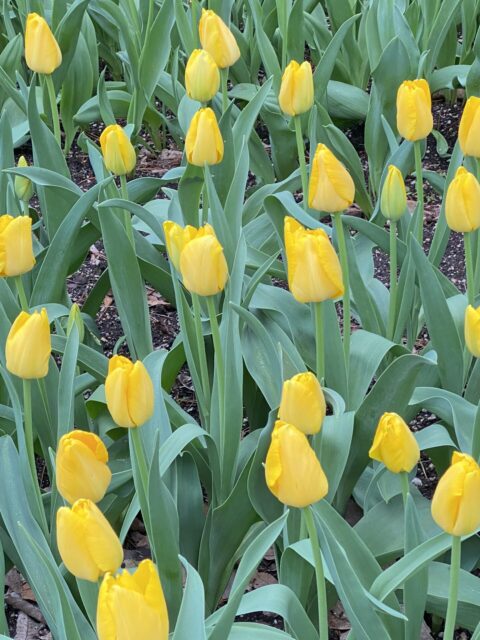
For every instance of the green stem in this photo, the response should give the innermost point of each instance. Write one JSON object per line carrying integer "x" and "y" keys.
{"x": 204, "y": 200}
{"x": 467, "y": 242}
{"x": 453, "y": 592}
{"x": 342, "y": 246}
{"x": 393, "y": 280}
{"x": 201, "y": 348}
{"x": 224, "y": 79}
{"x": 301, "y": 159}
{"x": 319, "y": 574}
{"x": 21, "y": 293}
{"x": 319, "y": 341}
{"x": 219, "y": 366}
{"x": 150, "y": 15}
{"x": 419, "y": 183}
{"x": 405, "y": 486}
{"x": 53, "y": 108}
{"x": 139, "y": 453}
{"x": 127, "y": 218}
{"x": 25, "y": 208}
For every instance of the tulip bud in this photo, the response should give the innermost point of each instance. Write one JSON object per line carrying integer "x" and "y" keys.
{"x": 202, "y": 77}
{"x": 28, "y": 346}
{"x": 87, "y": 544}
{"x": 394, "y": 444}
{"x": 217, "y": 39}
{"x": 303, "y": 403}
{"x": 129, "y": 392}
{"x": 462, "y": 204}
{"x": 117, "y": 150}
{"x": 331, "y": 187}
{"x": 469, "y": 131}
{"x": 296, "y": 90}
{"x": 132, "y": 605}
{"x": 176, "y": 237}
{"x": 393, "y": 202}
{"x": 81, "y": 467}
{"x": 42, "y": 52}
{"x": 23, "y": 186}
{"x": 455, "y": 505}
{"x": 314, "y": 271}
{"x": 414, "y": 110}
{"x": 16, "y": 249}
{"x": 292, "y": 470}
{"x": 75, "y": 318}
{"x": 472, "y": 330}
{"x": 204, "y": 143}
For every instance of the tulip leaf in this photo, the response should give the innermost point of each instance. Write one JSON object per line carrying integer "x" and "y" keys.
{"x": 191, "y": 617}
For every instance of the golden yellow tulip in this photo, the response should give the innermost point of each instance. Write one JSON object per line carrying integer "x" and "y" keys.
{"x": 462, "y": 204}
{"x": 28, "y": 346}
{"x": 129, "y": 392}
{"x": 393, "y": 202}
{"x": 314, "y": 272}
{"x": 202, "y": 77}
{"x": 394, "y": 444}
{"x": 16, "y": 249}
{"x": 414, "y": 110}
{"x": 117, "y": 150}
{"x": 81, "y": 467}
{"x": 132, "y": 605}
{"x": 217, "y": 39}
{"x": 455, "y": 504}
{"x": 469, "y": 131}
{"x": 23, "y": 186}
{"x": 204, "y": 143}
{"x": 472, "y": 330}
{"x": 87, "y": 544}
{"x": 296, "y": 91}
{"x": 303, "y": 403}
{"x": 42, "y": 52}
{"x": 331, "y": 187}
{"x": 176, "y": 237}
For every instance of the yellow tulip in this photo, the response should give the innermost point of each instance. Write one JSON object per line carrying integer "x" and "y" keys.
{"x": 42, "y": 52}
{"x": 414, "y": 110}
{"x": 331, "y": 187}
{"x": 303, "y": 403}
{"x": 462, "y": 204}
{"x": 394, "y": 444}
{"x": 472, "y": 330}
{"x": 16, "y": 249}
{"x": 455, "y": 505}
{"x": 292, "y": 470}
{"x": 202, "y": 77}
{"x": 217, "y": 39}
{"x": 296, "y": 90}
{"x": 176, "y": 237}
{"x": 469, "y": 131}
{"x": 204, "y": 143}
{"x": 314, "y": 271}
{"x": 87, "y": 544}
{"x": 132, "y": 605}
{"x": 23, "y": 186}
{"x": 81, "y": 467}
{"x": 129, "y": 392}
{"x": 28, "y": 346}
{"x": 393, "y": 202}
{"x": 117, "y": 150}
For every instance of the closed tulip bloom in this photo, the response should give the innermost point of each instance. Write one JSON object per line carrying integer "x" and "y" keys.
{"x": 296, "y": 90}
{"x": 292, "y": 470}
{"x": 176, "y": 237}
{"x": 117, "y": 150}
{"x": 217, "y": 39}
{"x": 202, "y": 77}
{"x": 393, "y": 202}
{"x": 303, "y": 403}
{"x": 394, "y": 444}
{"x": 472, "y": 330}
{"x": 16, "y": 249}
{"x": 42, "y": 52}
{"x": 314, "y": 271}
{"x": 81, "y": 467}
{"x": 414, "y": 110}
{"x": 462, "y": 204}
{"x": 455, "y": 504}
{"x": 202, "y": 263}
{"x": 87, "y": 544}
{"x": 331, "y": 187}
{"x": 469, "y": 131}
{"x": 23, "y": 186}
{"x": 204, "y": 143}
{"x": 28, "y": 346}
{"x": 129, "y": 392}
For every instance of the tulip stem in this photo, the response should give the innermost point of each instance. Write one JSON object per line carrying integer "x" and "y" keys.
{"x": 301, "y": 159}
{"x": 319, "y": 574}
{"x": 25, "y": 208}
{"x": 319, "y": 341}
{"x": 53, "y": 108}
{"x": 202, "y": 356}
{"x": 405, "y": 486}
{"x": 419, "y": 182}
{"x": 21, "y": 293}
{"x": 393, "y": 280}
{"x": 467, "y": 242}
{"x": 224, "y": 80}
{"x": 453, "y": 592}
{"x": 219, "y": 366}
{"x": 139, "y": 453}
{"x": 204, "y": 218}
{"x": 127, "y": 217}
{"x": 342, "y": 246}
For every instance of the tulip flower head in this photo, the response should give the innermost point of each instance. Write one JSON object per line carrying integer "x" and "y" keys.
{"x": 42, "y": 52}
{"x": 462, "y": 204}
{"x": 314, "y": 271}
{"x": 117, "y": 150}
{"x": 202, "y": 77}
{"x": 87, "y": 544}
{"x": 472, "y": 330}
{"x": 204, "y": 142}
{"x": 303, "y": 403}
{"x": 217, "y": 39}
{"x": 132, "y": 605}
{"x": 394, "y": 444}
{"x": 331, "y": 187}
{"x": 393, "y": 202}
{"x": 129, "y": 392}
{"x": 469, "y": 131}
{"x": 28, "y": 346}
{"x": 16, "y": 248}
{"x": 23, "y": 186}
{"x": 81, "y": 467}
{"x": 296, "y": 90}
{"x": 455, "y": 505}
{"x": 414, "y": 110}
